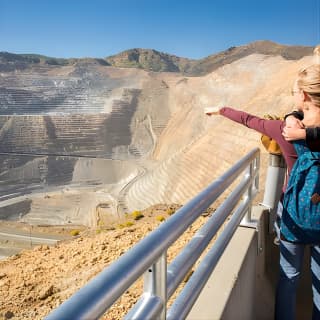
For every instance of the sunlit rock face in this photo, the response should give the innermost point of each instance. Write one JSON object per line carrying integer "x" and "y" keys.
{"x": 78, "y": 137}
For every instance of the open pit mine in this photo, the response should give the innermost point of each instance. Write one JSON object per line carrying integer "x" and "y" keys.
{"x": 86, "y": 142}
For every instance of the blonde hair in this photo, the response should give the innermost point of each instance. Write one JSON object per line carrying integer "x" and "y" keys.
{"x": 309, "y": 81}
{"x": 316, "y": 54}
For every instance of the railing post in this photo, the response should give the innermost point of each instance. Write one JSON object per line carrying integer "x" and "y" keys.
{"x": 155, "y": 282}
{"x": 273, "y": 186}
{"x": 252, "y": 190}
{"x": 153, "y": 302}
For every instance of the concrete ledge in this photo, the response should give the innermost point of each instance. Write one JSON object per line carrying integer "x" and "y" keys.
{"x": 234, "y": 288}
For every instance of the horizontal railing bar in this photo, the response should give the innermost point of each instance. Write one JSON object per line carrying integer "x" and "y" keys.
{"x": 181, "y": 265}
{"x": 188, "y": 296}
{"x": 91, "y": 301}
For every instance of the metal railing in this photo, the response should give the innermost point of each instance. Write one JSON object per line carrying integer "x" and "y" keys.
{"x": 149, "y": 256}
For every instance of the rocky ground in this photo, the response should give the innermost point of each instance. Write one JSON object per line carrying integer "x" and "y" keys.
{"x": 33, "y": 282}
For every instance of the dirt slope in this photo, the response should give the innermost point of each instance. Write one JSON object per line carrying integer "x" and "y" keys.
{"x": 36, "y": 281}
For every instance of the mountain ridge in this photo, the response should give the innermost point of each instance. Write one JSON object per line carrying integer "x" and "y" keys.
{"x": 156, "y": 61}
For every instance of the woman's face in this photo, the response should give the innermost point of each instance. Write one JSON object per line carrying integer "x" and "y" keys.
{"x": 298, "y": 96}
{"x": 310, "y": 111}
{"x": 311, "y": 116}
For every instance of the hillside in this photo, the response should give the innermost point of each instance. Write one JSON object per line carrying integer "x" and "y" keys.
{"x": 211, "y": 63}
{"x": 148, "y": 59}
{"x": 153, "y": 60}
{"x": 11, "y": 61}
{"x": 34, "y": 282}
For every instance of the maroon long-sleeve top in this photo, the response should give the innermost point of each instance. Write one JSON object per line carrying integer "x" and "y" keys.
{"x": 271, "y": 128}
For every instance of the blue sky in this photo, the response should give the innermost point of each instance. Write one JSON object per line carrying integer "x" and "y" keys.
{"x": 192, "y": 29}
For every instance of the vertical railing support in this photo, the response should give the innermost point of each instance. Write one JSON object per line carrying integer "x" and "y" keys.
{"x": 155, "y": 282}
{"x": 153, "y": 304}
{"x": 252, "y": 190}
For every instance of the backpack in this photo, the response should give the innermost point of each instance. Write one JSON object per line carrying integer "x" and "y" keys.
{"x": 301, "y": 203}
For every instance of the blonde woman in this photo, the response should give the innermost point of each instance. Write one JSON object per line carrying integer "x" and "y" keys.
{"x": 295, "y": 236}
{"x": 294, "y": 129}
{"x": 306, "y": 91}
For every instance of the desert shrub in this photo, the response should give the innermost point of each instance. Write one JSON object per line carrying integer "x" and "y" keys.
{"x": 100, "y": 223}
{"x": 74, "y": 232}
{"x": 160, "y": 218}
{"x": 170, "y": 211}
{"x": 137, "y": 215}
{"x": 126, "y": 224}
